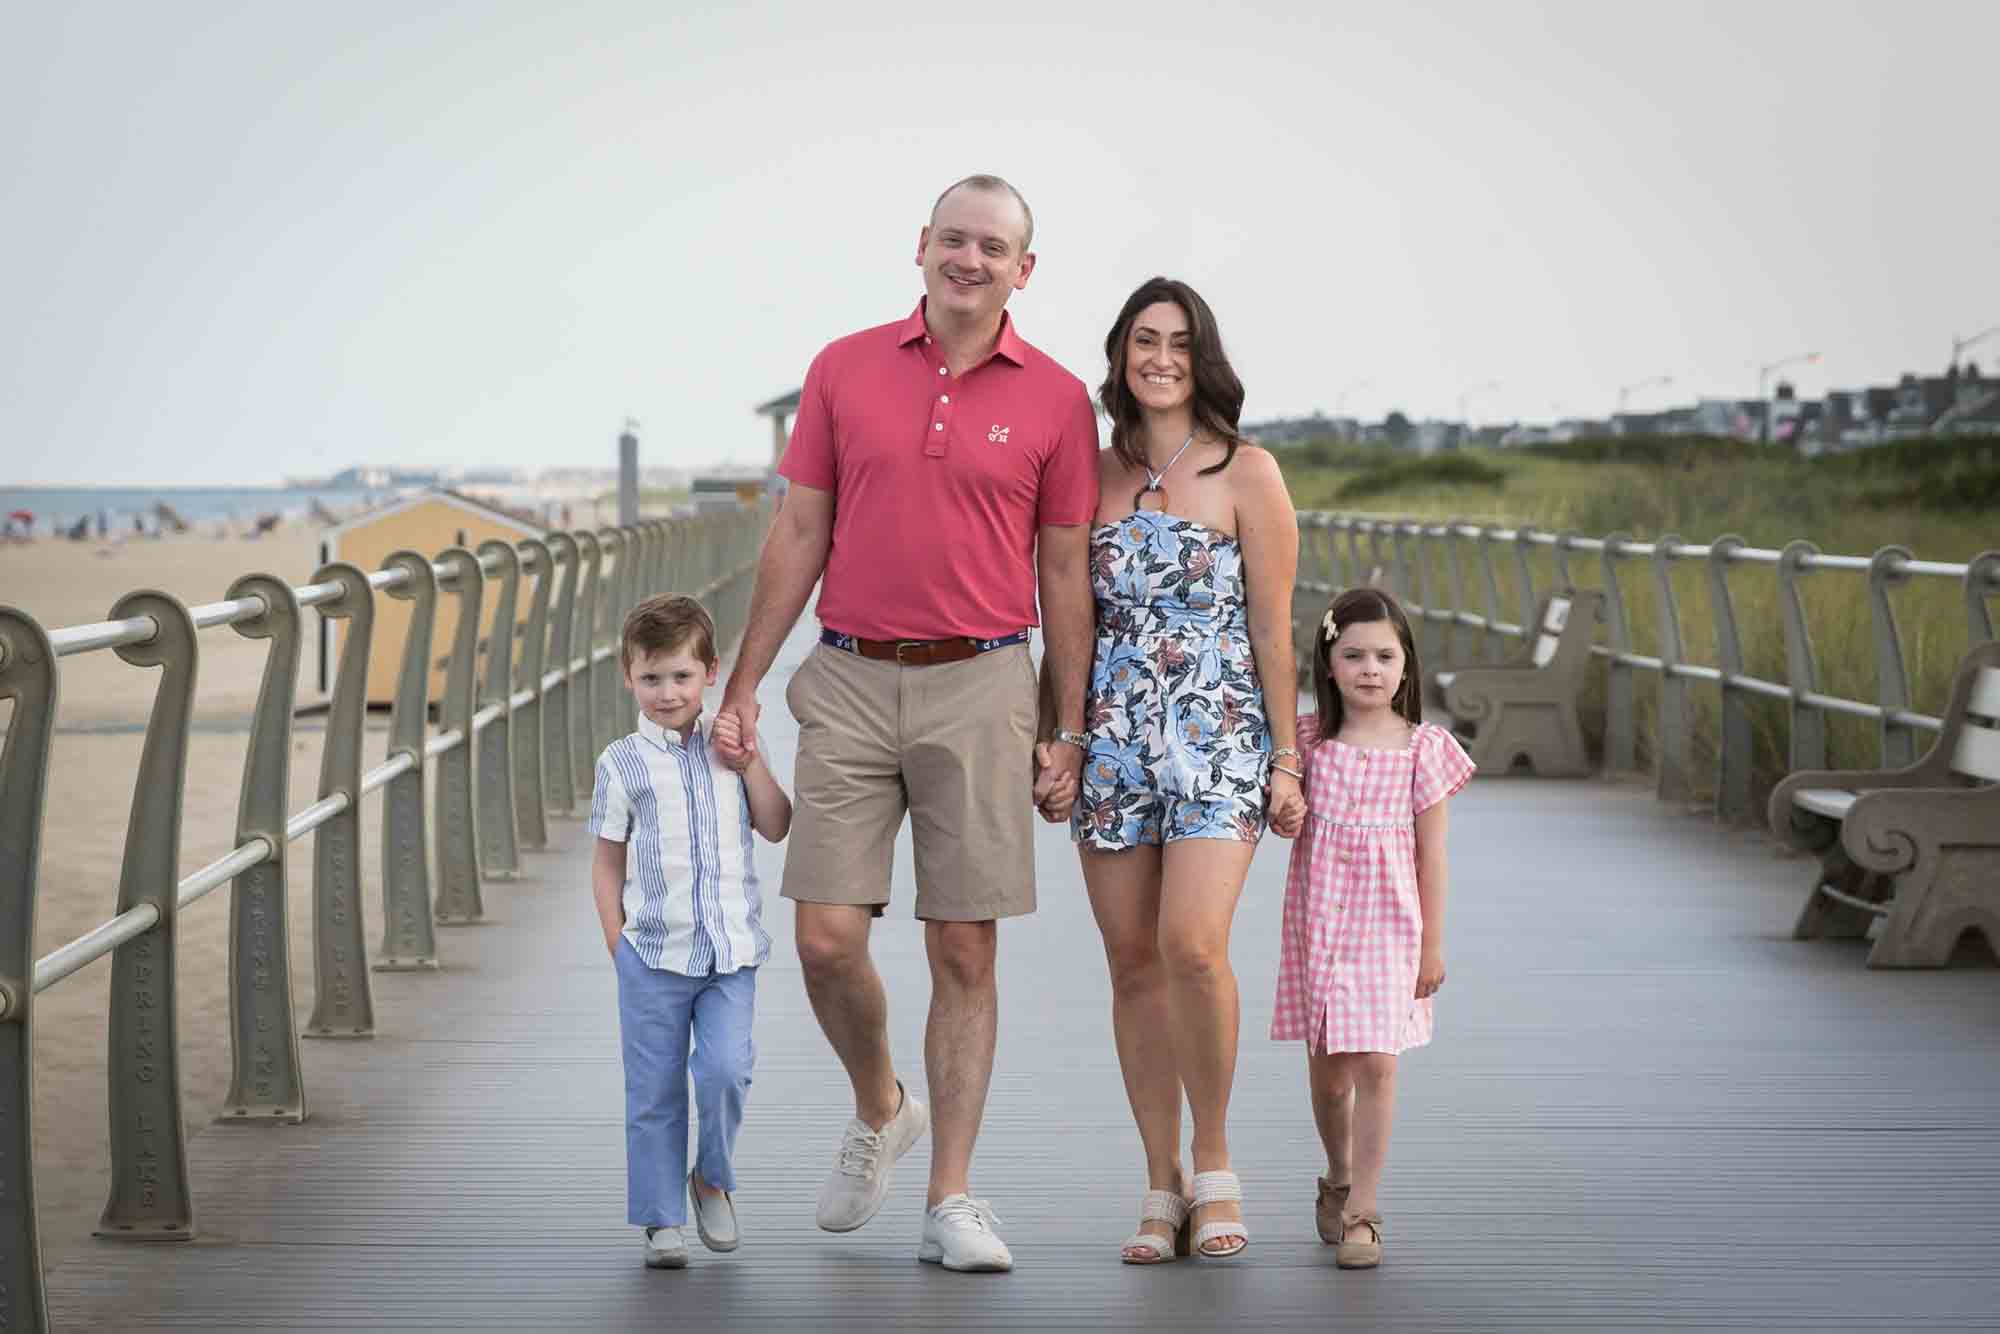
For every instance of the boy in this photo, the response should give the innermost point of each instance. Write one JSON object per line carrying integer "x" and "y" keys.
{"x": 682, "y": 920}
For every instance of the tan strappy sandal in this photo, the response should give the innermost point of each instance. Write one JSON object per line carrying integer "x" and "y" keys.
{"x": 1332, "y": 1202}
{"x": 1358, "y": 1254}
{"x": 1219, "y": 1187}
{"x": 1159, "y": 1206}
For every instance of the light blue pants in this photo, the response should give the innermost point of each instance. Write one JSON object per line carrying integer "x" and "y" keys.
{"x": 658, "y": 1013}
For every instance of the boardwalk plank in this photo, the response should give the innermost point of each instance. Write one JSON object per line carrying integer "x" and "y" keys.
{"x": 1646, "y": 1108}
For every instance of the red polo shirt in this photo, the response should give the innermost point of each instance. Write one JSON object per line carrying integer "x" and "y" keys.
{"x": 940, "y": 481}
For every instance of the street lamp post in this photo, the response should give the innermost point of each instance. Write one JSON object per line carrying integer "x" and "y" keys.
{"x": 1764, "y": 374}
{"x": 1959, "y": 345}
{"x": 1625, "y": 391}
{"x": 1464, "y": 420}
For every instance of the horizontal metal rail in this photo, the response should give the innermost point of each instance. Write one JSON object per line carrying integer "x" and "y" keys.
{"x": 1425, "y": 562}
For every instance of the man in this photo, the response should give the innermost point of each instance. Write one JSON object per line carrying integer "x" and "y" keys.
{"x": 941, "y": 471}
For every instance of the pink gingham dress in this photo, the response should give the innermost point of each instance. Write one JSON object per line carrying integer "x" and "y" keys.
{"x": 1354, "y": 927}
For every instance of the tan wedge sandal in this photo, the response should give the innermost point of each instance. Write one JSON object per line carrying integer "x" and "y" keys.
{"x": 1332, "y": 1202}
{"x": 1159, "y": 1206}
{"x": 1356, "y": 1253}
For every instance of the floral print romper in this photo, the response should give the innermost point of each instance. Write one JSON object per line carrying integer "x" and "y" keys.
{"x": 1178, "y": 737}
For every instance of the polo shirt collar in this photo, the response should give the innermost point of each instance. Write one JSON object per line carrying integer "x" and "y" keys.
{"x": 667, "y": 740}
{"x": 1009, "y": 344}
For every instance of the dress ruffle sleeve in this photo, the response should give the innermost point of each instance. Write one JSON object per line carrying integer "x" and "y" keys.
{"x": 1442, "y": 767}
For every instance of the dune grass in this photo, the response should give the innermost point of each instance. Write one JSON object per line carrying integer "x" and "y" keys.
{"x": 1933, "y": 499}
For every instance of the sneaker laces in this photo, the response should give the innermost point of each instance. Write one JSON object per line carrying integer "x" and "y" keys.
{"x": 964, "y": 1211}
{"x": 860, "y": 1149}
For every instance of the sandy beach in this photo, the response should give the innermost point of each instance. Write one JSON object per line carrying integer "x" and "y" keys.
{"x": 102, "y": 708}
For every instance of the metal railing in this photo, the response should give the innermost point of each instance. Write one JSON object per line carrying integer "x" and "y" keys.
{"x": 516, "y": 741}
{"x": 1425, "y": 564}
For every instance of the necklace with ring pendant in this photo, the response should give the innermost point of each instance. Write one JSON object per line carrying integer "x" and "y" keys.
{"x": 1154, "y": 480}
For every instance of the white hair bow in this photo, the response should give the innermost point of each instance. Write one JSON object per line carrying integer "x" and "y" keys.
{"x": 1329, "y": 628}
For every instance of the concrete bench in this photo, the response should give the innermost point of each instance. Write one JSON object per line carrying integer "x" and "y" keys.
{"x": 1526, "y": 708}
{"x": 1917, "y": 849}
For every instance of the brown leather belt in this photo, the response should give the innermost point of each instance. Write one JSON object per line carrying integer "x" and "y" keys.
{"x": 918, "y": 652}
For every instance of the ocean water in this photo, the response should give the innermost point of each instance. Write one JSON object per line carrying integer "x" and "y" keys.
{"x": 57, "y": 507}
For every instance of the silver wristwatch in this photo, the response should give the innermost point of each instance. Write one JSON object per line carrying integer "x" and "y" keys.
{"x": 1081, "y": 740}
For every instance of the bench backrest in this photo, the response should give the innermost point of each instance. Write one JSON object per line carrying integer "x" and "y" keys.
{"x": 1977, "y": 754}
{"x": 1551, "y": 633}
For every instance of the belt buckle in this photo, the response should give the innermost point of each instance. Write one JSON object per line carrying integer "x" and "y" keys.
{"x": 902, "y": 644}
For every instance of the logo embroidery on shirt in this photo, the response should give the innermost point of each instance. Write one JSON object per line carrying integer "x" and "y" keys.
{"x": 998, "y": 435}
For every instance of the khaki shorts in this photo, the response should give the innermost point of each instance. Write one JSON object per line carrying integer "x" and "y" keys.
{"x": 952, "y": 745}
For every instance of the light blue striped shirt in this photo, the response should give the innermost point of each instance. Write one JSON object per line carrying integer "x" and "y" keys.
{"x": 691, "y": 900}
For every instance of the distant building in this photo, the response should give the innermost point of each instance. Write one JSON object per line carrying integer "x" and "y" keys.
{"x": 428, "y": 521}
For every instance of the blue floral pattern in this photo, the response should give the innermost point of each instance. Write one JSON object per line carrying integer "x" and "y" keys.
{"x": 1178, "y": 737}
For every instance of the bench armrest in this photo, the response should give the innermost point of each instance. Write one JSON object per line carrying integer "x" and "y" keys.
{"x": 1810, "y": 831}
{"x": 1889, "y": 831}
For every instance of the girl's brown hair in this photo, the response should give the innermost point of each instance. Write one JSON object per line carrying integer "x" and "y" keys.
{"x": 1353, "y": 607}
{"x": 1218, "y": 393}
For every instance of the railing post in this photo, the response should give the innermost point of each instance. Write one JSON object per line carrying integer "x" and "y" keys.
{"x": 1496, "y": 643}
{"x": 455, "y": 810}
{"x": 530, "y": 796}
{"x": 265, "y": 1082}
{"x": 1672, "y": 768}
{"x": 407, "y": 938}
{"x": 1525, "y": 581}
{"x": 1892, "y": 681}
{"x": 1808, "y": 721}
{"x": 28, "y": 677}
{"x": 1620, "y": 745}
{"x": 1733, "y": 753}
{"x": 1565, "y": 543}
{"x": 343, "y": 998}
{"x": 656, "y": 557}
{"x": 1404, "y": 585}
{"x": 1982, "y": 580}
{"x": 1462, "y": 642}
{"x": 1413, "y": 586}
{"x": 149, "y": 1198}
{"x": 499, "y": 854}
{"x": 583, "y": 681}
{"x": 605, "y": 687}
{"x": 556, "y": 707}
{"x": 1357, "y": 563}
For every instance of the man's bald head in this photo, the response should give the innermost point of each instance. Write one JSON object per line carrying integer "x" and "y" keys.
{"x": 994, "y": 185}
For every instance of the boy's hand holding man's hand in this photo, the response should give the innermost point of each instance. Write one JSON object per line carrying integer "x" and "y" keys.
{"x": 732, "y": 746}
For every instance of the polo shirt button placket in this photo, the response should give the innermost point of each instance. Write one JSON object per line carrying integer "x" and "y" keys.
{"x": 940, "y": 423}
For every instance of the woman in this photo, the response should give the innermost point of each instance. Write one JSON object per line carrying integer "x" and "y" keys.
{"x": 1192, "y": 562}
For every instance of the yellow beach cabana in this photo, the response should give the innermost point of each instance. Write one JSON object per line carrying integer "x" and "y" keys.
{"x": 426, "y": 521}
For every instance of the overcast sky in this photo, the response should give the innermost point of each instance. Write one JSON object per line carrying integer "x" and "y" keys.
{"x": 241, "y": 241}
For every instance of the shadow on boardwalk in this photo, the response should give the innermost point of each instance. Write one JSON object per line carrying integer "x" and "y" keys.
{"x": 1646, "y": 1107}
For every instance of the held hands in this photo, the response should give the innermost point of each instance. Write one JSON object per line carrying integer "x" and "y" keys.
{"x": 1057, "y": 764}
{"x": 733, "y": 746}
{"x": 1286, "y": 808}
{"x": 1430, "y": 970}
{"x": 736, "y": 727}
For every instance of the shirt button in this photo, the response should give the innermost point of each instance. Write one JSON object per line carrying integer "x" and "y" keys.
{"x": 938, "y": 427}
{"x": 940, "y": 369}
{"x": 944, "y": 398}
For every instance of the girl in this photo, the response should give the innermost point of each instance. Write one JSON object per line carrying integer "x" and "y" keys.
{"x": 1363, "y": 945}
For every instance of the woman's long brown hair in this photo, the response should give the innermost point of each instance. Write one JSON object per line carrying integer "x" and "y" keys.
{"x": 1218, "y": 393}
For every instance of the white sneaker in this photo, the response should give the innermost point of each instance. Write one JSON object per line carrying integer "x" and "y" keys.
{"x": 714, "y": 1218}
{"x": 959, "y": 1234}
{"x": 665, "y": 1248}
{"x": 860, "y": 1176}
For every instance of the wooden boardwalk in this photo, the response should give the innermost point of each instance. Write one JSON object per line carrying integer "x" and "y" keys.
{"x": 1646, "y": 1108}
